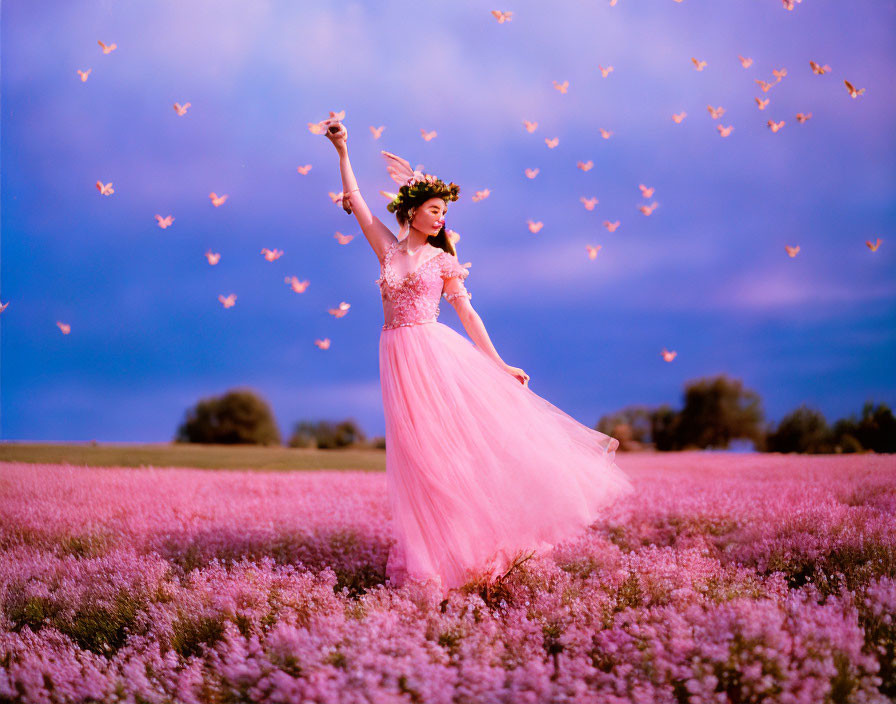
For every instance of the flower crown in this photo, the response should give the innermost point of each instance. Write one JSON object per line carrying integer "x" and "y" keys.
{"x": 421, "y": 187}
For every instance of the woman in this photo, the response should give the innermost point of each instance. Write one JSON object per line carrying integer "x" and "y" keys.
{"x": 480, "y": 470}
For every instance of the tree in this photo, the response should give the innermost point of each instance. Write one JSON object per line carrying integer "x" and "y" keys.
{"x": 664, "y": 422}
{"x": 876, "y": 430}
{"x": 239, "y": 417}
{"x": 326, "y": 434}
{"x": 637, "y": 418}
{"x": 716, "y": 411}
{"x": 804, "y": 430}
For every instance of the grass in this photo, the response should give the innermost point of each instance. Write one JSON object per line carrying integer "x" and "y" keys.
{"x": 196, "y": 456}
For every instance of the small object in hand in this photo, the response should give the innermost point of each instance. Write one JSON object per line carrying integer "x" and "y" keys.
{"x": 347, "y": 202}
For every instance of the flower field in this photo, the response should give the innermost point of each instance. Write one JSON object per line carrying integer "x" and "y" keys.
{"x": 724, "y": 578}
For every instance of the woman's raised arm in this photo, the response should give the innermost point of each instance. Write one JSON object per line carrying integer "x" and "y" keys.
{"x": 378, "y": 235}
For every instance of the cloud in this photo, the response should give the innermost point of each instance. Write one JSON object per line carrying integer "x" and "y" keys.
{"x": 774, "y": 288}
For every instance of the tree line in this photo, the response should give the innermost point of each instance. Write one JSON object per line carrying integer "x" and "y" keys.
{"x": 715, "y": 412}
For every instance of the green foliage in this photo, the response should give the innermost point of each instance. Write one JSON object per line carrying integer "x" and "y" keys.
{"x": 193, "y": 634}
{"x": 96, "y": 625}
{"x": 804, "y": 430}
{"x": 326, "y": 434}
{"x": 875, "y": 430}
{"x": 420, "y": 191}
{"x": 716, "y": 411}
{"x": 632, "y": 426}
{"x": 239, "y": 417}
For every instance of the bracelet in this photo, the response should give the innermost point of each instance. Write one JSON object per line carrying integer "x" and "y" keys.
{"x": 351, "y": 191}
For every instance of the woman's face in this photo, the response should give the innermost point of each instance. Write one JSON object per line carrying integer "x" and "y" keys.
{"x": 430, "y": 216}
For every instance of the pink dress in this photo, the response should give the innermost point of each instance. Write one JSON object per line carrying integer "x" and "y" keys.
{"x": 480, "y": 470}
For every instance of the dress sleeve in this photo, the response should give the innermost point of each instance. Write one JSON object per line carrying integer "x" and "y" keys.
{"x": 453, "y": 274}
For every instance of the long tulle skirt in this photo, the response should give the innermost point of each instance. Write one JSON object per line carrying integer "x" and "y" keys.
{"x": 479, "y": 468}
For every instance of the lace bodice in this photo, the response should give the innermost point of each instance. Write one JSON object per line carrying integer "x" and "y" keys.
{"x": 414, "y": 298}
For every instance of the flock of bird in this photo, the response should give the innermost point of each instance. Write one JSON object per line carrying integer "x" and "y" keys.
{"x": 319, "y": 128}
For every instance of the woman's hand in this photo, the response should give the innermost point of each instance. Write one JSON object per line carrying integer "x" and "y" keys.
{"x": 518, "y": 373}
{"x": 338, "y": 135}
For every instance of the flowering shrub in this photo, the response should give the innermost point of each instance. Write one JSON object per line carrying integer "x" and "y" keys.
{"x": 743, "y": 578}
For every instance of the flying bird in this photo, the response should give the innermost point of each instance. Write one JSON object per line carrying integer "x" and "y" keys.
{"x": 304, "y": 169}
{"x": 83, "y": 74}
{"x": 552, "y": 142}
{"x": 699, "y": 65}
{"x": 340, "y": 311}
{"x": 715, "y": 112}
{"x": 589, "y": 203}
{"x": 648, "y": 209}
{"x": 165, "y": 222}
{"x": 377, "y": 131}
{"x": 585, "y": 165}
{"x": 105, "y": 189}
{"x": 296, "y": 285}
{"x": 725, "y": 131}
{"x": 427, "y": 135}
{"x": 852, "y": 91}
{"x": 530, "y": 126}
{"x": 531, "y": 173}
{"x": 65, "y": 327}
{"x": 107, "y": 49}
{"x": 761, "y": 104}
{"x": 181, "y": 109}
{"x": 502, "y": 17}
{"x": 561, "y": 86}
{"x": 481, "y": 195}
{"x": 216, "y": 199}
{"x": 604, "y": 133}
{"x": 272, "y": 254}
{"x": 605, "y": 71}
{"x": 873, "y": 247}
{"x": 745, "y": 62}
{"x": 535, "y": 226}
{"x": 645, "y": 191}
{"x": 678, "y": 117}
{"x": 343, "y": 239}
{"x": 775, "y": 126}
{"x": 801, "y": 118}
{"x": 819, "y": 70}
{"x": 213, "y": 258}
{"x": 792, "y": 251}
{"x": 592, "y": 251}
{"x": 611, "y": 226}
{"x": 228, "y": 301}
{"x": 668, "y": 356}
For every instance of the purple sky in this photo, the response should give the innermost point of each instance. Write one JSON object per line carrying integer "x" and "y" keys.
{"x": 706, "y": 274}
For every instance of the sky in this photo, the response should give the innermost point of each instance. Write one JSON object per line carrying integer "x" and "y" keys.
{"x": 706, "y": 274}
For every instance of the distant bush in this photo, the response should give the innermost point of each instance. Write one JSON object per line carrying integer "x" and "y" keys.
{"x": 239, "y": 417}
{"x": 804, "y": 430}
{"x": 631, "y": 426}
{"x": 325, "y": 434}
{"x": 875, "y": 430}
